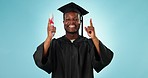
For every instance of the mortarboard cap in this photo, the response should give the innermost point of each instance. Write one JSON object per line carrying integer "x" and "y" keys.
{"x": 75, "y": 8}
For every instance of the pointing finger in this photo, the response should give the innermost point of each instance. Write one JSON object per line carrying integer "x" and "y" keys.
{"x": 91, "y": 22}
{"x": 49, "y": 24}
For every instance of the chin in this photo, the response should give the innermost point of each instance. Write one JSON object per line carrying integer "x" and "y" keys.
{"x": 74, "y": 32}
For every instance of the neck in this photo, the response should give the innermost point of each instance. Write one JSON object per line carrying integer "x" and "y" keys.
{"x": 72, "y": 36}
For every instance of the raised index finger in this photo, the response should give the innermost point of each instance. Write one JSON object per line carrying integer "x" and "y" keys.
{"x": 49, "y": 24}
{"x": 91, "y": 22}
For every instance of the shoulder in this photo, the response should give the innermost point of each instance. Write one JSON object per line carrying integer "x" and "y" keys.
{"x": 86, "y": 40}
{"x": 58, "y": 40}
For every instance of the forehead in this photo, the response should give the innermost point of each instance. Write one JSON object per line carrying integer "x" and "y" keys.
{"x": 71, "y": 14}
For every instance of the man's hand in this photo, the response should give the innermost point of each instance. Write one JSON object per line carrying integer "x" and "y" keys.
{"x": 90, "y": 30}
{"x": 51, "y": 30}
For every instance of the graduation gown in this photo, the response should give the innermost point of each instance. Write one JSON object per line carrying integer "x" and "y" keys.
{"x": 72, "y": 60}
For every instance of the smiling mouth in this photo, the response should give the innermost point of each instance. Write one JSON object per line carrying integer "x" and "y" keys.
{"x": 72, "y": 26}
{"x": 72, "y": 29}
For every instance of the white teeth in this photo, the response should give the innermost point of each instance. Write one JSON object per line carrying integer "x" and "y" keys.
{"x": 71, "y": 26}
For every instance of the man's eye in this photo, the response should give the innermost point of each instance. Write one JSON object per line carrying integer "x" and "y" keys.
{"x": 75, "y": 19}
{"x": 67, "y": 19}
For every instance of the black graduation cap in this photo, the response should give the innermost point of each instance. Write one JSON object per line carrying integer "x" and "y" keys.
{"x": 76, "y": 8}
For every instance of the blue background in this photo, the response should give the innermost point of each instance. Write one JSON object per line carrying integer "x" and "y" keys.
{"x": 122, "y": 25}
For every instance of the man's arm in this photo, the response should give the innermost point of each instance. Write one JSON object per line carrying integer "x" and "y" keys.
{"x": 50, "y": 31}
{"x": 46, "y": 46}
{"x": 102, "y": 56}
{"x": 91, "y": 33}
{"x": 96, "y": 43}
{"x": 43, "y": 55}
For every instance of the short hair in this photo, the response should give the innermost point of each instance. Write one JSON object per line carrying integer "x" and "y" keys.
{"x": 72, "y": 11}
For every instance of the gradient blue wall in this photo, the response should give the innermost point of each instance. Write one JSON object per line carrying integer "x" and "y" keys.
{"x": 122, "y": 25}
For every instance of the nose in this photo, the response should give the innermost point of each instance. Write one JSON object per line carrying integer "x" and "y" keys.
{"x": 72, "y": 22}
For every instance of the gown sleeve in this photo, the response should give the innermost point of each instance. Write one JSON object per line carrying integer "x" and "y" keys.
{"x": 44, "y": 62}
{"x": 102, "y": 60}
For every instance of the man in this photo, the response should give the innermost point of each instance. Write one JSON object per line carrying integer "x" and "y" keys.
{"x": 72, "y": 55}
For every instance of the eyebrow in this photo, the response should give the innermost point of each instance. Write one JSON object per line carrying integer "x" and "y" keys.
{"x": 77, "y": 16}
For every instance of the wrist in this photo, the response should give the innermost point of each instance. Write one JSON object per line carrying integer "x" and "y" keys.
{"x": 94, "y": 38}
{"x": 49, "y": 38}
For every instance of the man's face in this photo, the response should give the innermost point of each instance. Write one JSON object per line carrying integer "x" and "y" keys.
{"x": 71, "y": 22}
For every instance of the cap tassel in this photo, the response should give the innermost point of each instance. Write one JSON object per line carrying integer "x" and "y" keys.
{"x": 82, "y": 26}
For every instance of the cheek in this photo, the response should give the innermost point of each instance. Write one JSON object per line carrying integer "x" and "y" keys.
{"x": 65, "y": 23}
{"x": 78, "y": 23}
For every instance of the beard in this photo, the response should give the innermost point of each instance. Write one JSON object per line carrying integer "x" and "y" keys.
{"x": 71, "y": 32}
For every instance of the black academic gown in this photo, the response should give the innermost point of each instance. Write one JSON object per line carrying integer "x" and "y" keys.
{"x": 72, "y": 60}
